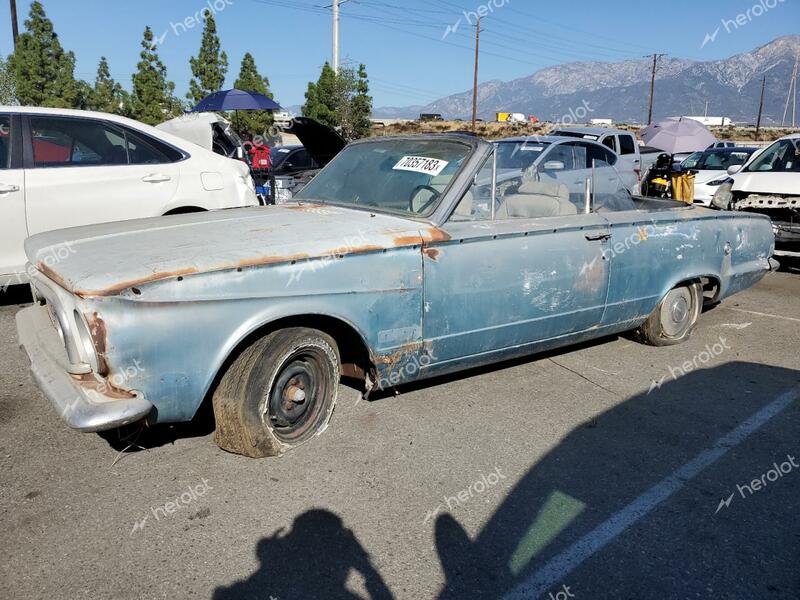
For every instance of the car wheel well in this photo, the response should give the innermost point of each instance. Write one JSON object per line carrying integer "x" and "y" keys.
{"x": 183, "y": 210}
{"x": 354, "y": 353}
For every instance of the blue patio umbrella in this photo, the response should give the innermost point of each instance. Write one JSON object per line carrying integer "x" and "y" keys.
{"x": 236, "y": 100}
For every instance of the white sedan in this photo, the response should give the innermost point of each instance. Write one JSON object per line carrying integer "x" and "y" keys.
{"x": 63, "y": 168}
{"x": 711, "y": 169}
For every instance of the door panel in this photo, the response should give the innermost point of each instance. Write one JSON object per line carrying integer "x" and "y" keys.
{"x": 502, "y": 284}
{"x": 79, "y": 173}
{"x": 13, "y": 229}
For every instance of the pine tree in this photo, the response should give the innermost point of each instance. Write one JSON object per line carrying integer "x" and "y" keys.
{"x": 8, "y": 92}
{"x": 107, "y": 94}
{"x": 211, "y": 64}
{"x": 43, "y": 72}
{"x": 252, "y": 122}
{"x": 361, "y": 106}
{"x": 323, "y": 98}
{"x": 341, "y": 101}
{"x": 153, "y": 94}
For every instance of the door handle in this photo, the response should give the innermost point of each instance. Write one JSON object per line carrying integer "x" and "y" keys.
{"x": 156, "y": 178}
{"x": 5, "y": 189}
{"x": 598, "y": 237}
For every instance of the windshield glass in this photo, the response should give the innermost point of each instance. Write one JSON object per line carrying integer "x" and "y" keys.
{"x": 716, "y": 161}
{"x": 279, "y": 155}
{"x": 782, "y": 157}
{"x": 519, "y": 155}
{"x": 399, "y": 176}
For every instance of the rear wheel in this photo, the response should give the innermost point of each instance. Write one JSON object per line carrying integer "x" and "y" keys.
{"x": 279, "y": 393}
{"x": 675, "y": 317}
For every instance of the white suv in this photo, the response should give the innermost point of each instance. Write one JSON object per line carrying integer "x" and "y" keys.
{"x": 62, "y": 168}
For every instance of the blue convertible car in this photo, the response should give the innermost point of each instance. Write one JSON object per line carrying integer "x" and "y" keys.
{"x": 404, "y": 258}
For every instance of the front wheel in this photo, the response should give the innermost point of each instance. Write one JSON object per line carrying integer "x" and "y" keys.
{"x": 278, "y": 393}
{"x": 675, "y": 317}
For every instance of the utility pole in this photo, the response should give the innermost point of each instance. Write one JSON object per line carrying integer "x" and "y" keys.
{"x": 761, "y": 106}
{"x": 475, "y": 78}
{"x": 335, "y": 59}
{"x": 656, "y": 57}
{"x": 14, "y": 26}
{"x": 792, "y": 92}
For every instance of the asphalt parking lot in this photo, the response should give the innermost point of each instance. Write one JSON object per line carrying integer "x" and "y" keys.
{"x": 611, "y": 470}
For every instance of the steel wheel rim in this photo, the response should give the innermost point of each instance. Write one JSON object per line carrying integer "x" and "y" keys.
{"x": 296, "y": 398}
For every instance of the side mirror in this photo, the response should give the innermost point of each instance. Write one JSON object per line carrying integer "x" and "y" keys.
{"x": 734, "y": 169}
{"x": 554, "y": 165}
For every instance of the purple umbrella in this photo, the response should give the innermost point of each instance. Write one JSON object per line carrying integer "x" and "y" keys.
{"x": 678, "y": 135}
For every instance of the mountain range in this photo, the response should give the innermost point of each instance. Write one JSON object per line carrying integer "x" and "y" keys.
{"x": 620, "y": 91}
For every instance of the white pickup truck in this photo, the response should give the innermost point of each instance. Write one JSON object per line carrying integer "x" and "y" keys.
{"x": 637, "y": 158}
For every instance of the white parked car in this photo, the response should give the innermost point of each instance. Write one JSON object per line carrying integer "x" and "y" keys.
{"x": 63, "y": 168}
{"x": 711, "y": 169}
{"x": 769, "y": 184}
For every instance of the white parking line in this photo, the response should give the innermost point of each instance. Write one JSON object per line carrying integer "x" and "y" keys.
{"x": 566, "y": 562}
{"x": 760, "y": 314}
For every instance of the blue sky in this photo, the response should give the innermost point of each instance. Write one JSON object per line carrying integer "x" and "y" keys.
{"x": 401, "y": 40}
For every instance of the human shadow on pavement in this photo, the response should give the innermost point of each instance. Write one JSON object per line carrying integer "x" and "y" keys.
{"x": 311, "y": 561}
{"x": 630, "y": 504}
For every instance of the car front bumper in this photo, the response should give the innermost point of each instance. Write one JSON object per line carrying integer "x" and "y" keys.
{"x": 85, "y": 402}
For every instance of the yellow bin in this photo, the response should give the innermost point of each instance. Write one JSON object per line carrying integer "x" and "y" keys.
{"x": 683, "y": 187}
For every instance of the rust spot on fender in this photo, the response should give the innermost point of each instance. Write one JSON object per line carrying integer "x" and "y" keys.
{"x": 104, "y": 387}
{"x": 120, "y": 287}
{"x": 432, "y": 253}
{"x": 52, "y": 275}
{"x": 97, "y": 329}
{"x": 397, "y": 356}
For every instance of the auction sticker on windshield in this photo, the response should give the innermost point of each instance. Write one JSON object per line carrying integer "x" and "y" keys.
{"x": 421, "y": 164}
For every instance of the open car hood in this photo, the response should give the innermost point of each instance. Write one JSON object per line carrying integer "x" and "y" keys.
{"x": 321, "y": 141}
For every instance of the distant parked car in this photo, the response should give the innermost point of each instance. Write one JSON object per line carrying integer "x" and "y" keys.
{"x": 769, "y": 184}
{"x": 717, "y": 145}
{"x": 711, "y": 169}
{"x": 563, "y": 160}
{"x": 634, "y": 157}
{"x": 61, "y": 168}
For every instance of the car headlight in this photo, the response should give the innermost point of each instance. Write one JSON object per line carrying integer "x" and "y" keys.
{"x": 723, "y": 197}
{"x": 721, "y": 181}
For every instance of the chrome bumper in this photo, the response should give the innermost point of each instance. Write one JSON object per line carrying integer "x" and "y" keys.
{"x": 85, "y": 402}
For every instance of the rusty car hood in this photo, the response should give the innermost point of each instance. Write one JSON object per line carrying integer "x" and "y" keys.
{"x": 106, "y": 259}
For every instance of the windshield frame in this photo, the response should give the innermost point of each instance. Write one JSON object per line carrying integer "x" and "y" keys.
{"x": 477, "y": 149}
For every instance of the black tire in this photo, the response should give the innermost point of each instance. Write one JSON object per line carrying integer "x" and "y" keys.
{"x": 675, "y": 317}
{"x": 279, "y": 393}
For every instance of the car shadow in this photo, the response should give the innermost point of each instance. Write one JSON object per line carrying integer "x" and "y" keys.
{"x": 628, "y": 505}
